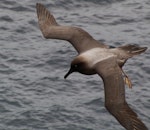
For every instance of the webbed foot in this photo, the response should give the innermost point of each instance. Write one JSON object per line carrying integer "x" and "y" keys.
{"x": 127, "y": 80}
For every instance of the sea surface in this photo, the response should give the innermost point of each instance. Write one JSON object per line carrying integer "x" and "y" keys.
{"x": 33, "y": 93}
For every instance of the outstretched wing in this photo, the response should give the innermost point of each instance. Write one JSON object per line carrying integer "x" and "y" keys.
{"x": 80, "y": 39}
{"x": 115, "y": 95}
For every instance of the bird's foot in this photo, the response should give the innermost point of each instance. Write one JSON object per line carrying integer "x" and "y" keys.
{"x": 127, "y": 81}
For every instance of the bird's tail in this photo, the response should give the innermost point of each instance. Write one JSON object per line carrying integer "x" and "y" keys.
{"x": 127, "y": 51}
{"x": 131, "y": 50}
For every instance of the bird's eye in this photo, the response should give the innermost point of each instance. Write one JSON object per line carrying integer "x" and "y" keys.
{"x": 75, "y": 66}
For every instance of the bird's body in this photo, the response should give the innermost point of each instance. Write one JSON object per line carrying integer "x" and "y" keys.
{"x": 97, "y": 58}
{"x": 91, "y": 57}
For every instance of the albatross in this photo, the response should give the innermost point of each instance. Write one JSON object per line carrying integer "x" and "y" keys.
{"x": 95, "y": 57}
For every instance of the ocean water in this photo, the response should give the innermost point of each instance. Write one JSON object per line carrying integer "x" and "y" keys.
{"x": 33, "y": 92}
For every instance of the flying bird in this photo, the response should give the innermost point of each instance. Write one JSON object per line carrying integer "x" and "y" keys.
{"x": 95, "y": 57}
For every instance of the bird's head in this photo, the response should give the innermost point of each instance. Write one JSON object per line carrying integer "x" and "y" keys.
{"x": 77, "y": 65}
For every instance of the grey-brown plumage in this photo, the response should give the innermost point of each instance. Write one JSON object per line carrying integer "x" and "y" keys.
{"x": 96, "y": 58}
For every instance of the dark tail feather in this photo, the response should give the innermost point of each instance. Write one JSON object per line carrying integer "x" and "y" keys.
{"x": 132, "y": 50}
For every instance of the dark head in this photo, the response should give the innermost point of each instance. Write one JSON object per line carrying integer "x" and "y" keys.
{"x": 80, "y": 64}
{"x": 75, "y": 67}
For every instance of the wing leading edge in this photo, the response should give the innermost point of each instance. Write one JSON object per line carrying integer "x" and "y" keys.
{"x": 80, "y": 39}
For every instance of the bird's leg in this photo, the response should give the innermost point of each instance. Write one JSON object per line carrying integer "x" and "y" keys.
{"x": 127, "y": 80}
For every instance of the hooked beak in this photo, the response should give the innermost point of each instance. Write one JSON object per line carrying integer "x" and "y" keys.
{"x": 68, "y": 73}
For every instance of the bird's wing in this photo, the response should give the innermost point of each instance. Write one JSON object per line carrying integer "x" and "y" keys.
{"x": 115, "y": 101}
{"x": 80, "y": 39}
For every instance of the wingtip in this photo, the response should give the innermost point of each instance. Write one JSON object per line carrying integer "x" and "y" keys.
{"x": 45, "y": 19}
{"x": 38, "y": 9}
{"x": 41, "y": 10}
{"x": 38, "y": 5}
{"x": 44, "y": 15}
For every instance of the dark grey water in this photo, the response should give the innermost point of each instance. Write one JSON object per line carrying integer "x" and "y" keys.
{"x": 33, "y": 93}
